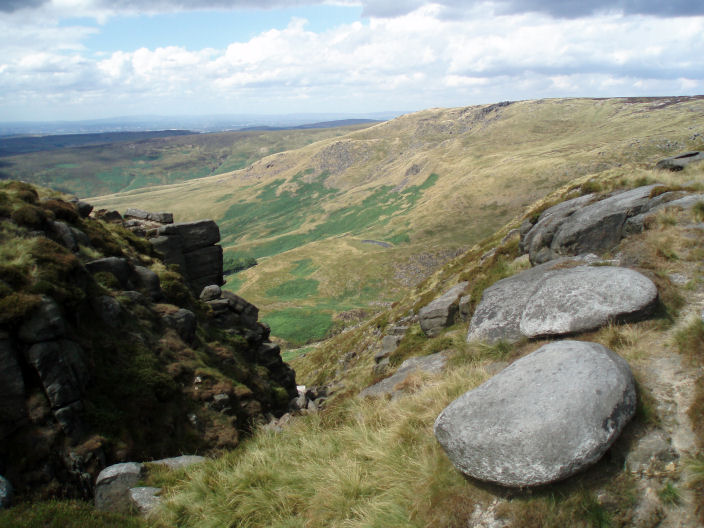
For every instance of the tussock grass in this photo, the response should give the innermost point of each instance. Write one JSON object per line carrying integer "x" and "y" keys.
{"x": 360, "y": 463}
{"x": 64, "y": 514}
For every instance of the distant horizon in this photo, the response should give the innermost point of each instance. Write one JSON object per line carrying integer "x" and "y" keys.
{"x": 75, "y": 60}
{"x": 191, "y": 123}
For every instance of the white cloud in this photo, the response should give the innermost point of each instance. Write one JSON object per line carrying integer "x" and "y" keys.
{"x": 420, "y": 59}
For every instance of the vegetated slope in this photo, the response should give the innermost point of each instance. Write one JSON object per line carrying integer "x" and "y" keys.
{"x": 25, "y": 144}
{"x": 125, "y": 165}
{"x": 106, "y": 355}
{"x": 345, "y": 224}
{"x": 375, "y": 462}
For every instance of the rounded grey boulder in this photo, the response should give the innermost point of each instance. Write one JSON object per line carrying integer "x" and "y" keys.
{"x": 551, "y": 299}
{"x": 542, "y": 419}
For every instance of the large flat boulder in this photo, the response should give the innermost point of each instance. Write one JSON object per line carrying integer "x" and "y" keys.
{"x": 441, "y": 312}
{"x": 587, "y": 225}
{"x": 556, "y": 299}
{"x": 193, "y": 235}
{"x": 544, "y": 418}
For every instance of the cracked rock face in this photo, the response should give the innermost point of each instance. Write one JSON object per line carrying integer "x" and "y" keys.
{"x": 544, "y": 418}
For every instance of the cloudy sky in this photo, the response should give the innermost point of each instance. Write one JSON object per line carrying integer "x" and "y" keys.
{"x": 83, "y": 59}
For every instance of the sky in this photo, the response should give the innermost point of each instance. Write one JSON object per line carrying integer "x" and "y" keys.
{"x": 90, "y": 59}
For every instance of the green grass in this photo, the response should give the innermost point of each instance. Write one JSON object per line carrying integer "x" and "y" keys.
{"x": 303, "y": 268}
{"x": 127, "y": 165}
{"x": 278, "y": 212}
{"x": 299, "y": 326}
{"x": 294, "y": 289}
{"x": 374, "y": 462}
{"x": 64, "y": 514}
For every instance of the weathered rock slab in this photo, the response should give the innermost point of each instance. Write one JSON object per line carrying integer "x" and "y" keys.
{"x": 552, "y": 299}
{"x": 44, "y": 323}
{"x": 144, "y": 499}
{"x": 160, "y": 217}
{"x": 61, "y": 368}
{"x": 441, "y": 312}
{"x": 679, "y": 162}
{"x": 432, "y": 364}
{"x": 179, "y": 462}
{"x": 586, "y": 297}
{"x": 587, "y": 225}
{"x": 542, "y": 419}
{"x": 113, "y": 484}
{"x": 193, "y": 235}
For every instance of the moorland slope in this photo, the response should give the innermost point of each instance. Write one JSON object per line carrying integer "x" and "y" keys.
{"x": 343, "y": 226}
{"x": 126, "y": 161}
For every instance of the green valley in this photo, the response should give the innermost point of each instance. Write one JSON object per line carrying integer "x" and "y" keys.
{"x": 377, "y": 210}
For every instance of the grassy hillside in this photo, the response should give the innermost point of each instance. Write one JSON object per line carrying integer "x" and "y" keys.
{"x": 373, "y": 212}
{"x": 363, "y": 463}
{"x": 125, "y": 165}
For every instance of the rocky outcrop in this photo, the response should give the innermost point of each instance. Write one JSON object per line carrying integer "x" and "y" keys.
{"x": 91, "y": 347}
{"x": 441, "y": 312}
{"x": 12, "y": 388}
{"x": 588, "y": 225}
{"x": 636, "y": 224}
{"x": 512, "y": 430}
{"x": 193, "y": 247}
{"x": 679, "y": 162}
{"x": 393, "y": 336}
{"x": 556, "y": 299}
{"x": 394, "y": 385}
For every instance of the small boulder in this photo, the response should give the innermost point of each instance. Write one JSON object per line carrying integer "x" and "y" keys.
{"x": 118, "y": 266}
{"x": 432, "y": 364}
{"x": 389, "y": 343}
{"x": 84, "y": 208}
{"x": 148, "y": 281}
{"x": 210, "y": 293}
{"x": 441, "y": 312}
{"x": 512, "y": 430}
{"x": 64, "y": 235}
{"x": 184, "y": 322}
{"x": 113, "y": 484}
